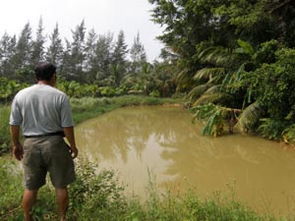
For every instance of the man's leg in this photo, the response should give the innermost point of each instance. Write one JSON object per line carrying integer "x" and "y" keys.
{"x": 62, "y": 199}
{"x": 29, "y": 198}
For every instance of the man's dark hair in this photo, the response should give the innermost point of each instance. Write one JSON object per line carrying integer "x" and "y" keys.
{"x": 45, "y": 71}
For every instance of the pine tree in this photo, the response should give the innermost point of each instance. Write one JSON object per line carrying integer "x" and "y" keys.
{"x": 137, "y": 51}
{"x": 103, "y": 51}
{"x": 55, "y": 49}
{"x": 7, "y": 51}
{"x": 90, "y": 65}
{"x": 138, "y": 55}
{"x": 66, "y": 64}
{"x": 78, "y": 51}
{"x": 23, "y": 52}
{"x": 119, "y": 58}
{"x": 120, "y": 50}
{"x": 38, "y": 45}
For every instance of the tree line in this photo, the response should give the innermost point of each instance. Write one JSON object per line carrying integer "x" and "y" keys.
{"x": 90, "y": 64}
{"x": 235, "y": 61}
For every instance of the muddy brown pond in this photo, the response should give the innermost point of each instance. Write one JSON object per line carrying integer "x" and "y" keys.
{"x": 162, "y": 143}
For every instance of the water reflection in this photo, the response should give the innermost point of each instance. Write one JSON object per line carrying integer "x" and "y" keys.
{"x": 162, "y": 139}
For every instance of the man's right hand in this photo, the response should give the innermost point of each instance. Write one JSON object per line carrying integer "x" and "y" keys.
{"x": 69, "y": 133}
{"x": 74, "y": 152}
{"x": 18, "y": 151}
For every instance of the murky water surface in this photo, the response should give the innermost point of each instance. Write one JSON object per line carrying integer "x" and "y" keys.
{"x": 162, "y": 141}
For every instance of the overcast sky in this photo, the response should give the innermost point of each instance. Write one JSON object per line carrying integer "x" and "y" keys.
{"x": 131, "y": 16}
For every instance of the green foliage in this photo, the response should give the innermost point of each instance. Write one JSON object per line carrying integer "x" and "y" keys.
{"x": 274, "y": 84}
{"x": 289, "y": 134}
{"x": 155, "y": 93}
{"x": 273, "y": 129}
{"x": 25, "y": 74}
{"x": 245, "y": 47}
{"x": 96, "y": 194}
{"x": 10, "y": 180}
{"x": 266, "y": 52}
{"x": 4, "y": 130}
{"x": 8, "y": 88}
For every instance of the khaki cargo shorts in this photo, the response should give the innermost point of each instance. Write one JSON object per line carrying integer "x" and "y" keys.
{"x": 47, "y": 154}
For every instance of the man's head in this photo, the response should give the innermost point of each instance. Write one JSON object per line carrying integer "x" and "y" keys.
{"x": 46, "y": 72}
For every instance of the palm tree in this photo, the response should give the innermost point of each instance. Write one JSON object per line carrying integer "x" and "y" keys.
{"x": 219, "y": 83}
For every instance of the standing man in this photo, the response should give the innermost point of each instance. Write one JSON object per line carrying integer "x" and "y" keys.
{"x": 44, "y": 113}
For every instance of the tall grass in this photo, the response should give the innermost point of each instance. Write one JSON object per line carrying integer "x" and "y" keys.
{"x": 4, "y": 130}
{"x": 99, "y": 197}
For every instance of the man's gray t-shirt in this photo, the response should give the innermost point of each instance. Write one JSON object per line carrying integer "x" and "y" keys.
{"x": 41, "y": 109}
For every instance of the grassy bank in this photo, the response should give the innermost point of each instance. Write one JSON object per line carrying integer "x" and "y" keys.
{"x": 83, "y": 109}
{"x": 100, "y": 198}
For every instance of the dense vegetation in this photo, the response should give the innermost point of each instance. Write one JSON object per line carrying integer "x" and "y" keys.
{"x": 235, "y": 60}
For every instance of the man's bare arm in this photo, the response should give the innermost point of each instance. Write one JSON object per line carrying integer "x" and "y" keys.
{"x": 18, "y": 151}
{"x": 69, "y": 133}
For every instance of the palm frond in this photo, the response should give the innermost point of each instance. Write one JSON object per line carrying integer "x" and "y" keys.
{"x": 213, "y": 98}
{"x": 208, "y": 73}
{"x": 216, "y": 55}
{"x": 249, "y": 117}
{"x": 197, "y": 91}
{"x": 214, "y": 89}
{"x": 215, "y": 117}
{"x": 183, "y": 79}
{"x": 212, "y": 115}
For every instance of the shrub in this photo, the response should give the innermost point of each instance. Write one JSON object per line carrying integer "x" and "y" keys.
{"x": 4, "y": 129}
{"x": 271, "y": 128}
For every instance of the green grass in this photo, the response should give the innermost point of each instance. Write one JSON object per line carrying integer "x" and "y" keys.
{"x": 4, "y": 129}
{"x": 83, "y": 109}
